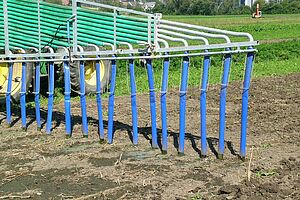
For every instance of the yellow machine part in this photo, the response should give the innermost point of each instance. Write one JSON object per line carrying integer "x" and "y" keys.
{"x": 90, "y": 72}
{"x": 16, "y": 78}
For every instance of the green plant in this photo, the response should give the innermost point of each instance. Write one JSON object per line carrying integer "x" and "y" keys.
{"x": 196, "y": 196}
{"x": 260, "y": 174}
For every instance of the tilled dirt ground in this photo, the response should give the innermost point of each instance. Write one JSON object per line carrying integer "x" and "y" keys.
{"x": 39, "y": 166}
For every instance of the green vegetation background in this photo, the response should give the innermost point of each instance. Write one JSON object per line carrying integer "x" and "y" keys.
{"x": 228, "y": 7}
{"x": 278, "y": 53}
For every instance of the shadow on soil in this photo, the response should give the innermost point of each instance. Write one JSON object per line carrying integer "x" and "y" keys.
{"x": 59, "y": 117}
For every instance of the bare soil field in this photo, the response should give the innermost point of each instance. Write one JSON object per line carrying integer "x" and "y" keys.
{"x": 39, "y": 166}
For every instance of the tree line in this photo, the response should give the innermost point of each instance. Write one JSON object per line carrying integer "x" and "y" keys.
{"x": 221, "y": 7}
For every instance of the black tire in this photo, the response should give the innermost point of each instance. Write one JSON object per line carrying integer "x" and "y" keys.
{"x": 90, "y": 87}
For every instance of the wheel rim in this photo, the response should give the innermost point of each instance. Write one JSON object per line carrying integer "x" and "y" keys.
{"x": 16, "y": 78}
{"x": 90, "y": 72}
{"x": 3, "y": 75}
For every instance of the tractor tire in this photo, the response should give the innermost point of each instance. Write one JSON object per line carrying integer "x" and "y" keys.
{"x": 16, "y": 80}
{"x": 90, "y": 76}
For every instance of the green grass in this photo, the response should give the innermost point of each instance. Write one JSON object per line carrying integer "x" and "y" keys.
{"x": 270, "y": 27}
{"x": 261, "y": 173}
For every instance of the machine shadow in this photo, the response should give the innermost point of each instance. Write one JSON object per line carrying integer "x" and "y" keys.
{"x": 59, "y": 117}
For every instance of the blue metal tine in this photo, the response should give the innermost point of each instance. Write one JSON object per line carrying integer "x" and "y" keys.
{"x": 152, "y": 102}
{"x": 182, "y": 112}
{"x": 204, "y": 85}
{"x": 245, "y": 101}
{"x": 226, "y": 71}
{"x": 50, "y": 98}
{"x": 111, "y": 102}
{"x": 134, "y": 110}
{"x": 163, "y": 104}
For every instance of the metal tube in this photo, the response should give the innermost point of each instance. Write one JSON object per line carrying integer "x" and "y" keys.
{"x": 111, "y": 102}
{"x": 184, "y": 36}
{"x": 39, "y": 27}
{"x": 174, "y": 39}
{"x": 36, "y": 91}
{"x": 6, "y": 31}
{"x": 98, "y": 96}
{"x": 152, "y": 102}
{"x": 166, "y": 44}
{"x": 226, "y": 71}
{"x": 135, "y": 51}
{"x": 83, "y": 95}
{"x": 23, "y": 97}
{"x": 23, "y": 92}
{"x": 134, "y": 110}
{"x": 183, "y": 90}
{"x": 50, "y": 93}
{"x": 8, "y": 94}
{"x": 163, "y": 104}
{"x": 204, "y": 83}
{"x": 149, "y": 31}
{"x": 83, "y": 99}
{"x": 245, "y": 99}
{"x": 238, "y": 34}
{"x": 115, "y": 28}
{"x": 50, "y": 97}
{"x": 120, "y": 58}
{"x": 67, "y": 98}
{"x": 68, "y": 32}
{"x": 226, "y": 38}
{"x": 74, "y": 12}
{"x": 99, "y": 101}
{"x": 37, "y": 95}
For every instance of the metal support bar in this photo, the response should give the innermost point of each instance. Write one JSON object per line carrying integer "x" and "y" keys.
{"x": 214, "y": 30}
{"x": 36, "y": 91}
{"x": 134, "y": 110}
{"x": 182, "y": 112}
{"x": 67, "y": 98}
{"x": 83, "y": 99}
{"x": 39, "y": 27}
{"x": 6, "y": 31}
{"x": 83, "y": 96}
{"x": 74, "y": 12}
{"x": 23, "y": 92}
{"x": 245, "y": 100}
{"x": 37, "y": 87}
{"x": 127, "y": 57}
{"x": 226, "y": 38}
{"x": 115, "y": 28}
{"x": 163, "y": 104}
{"x": 217, "y": 47}
{"x": 50, "y": 93}
{"x": 23, "y": 97}
{"x": 50, "y": 97}
{"x": 99, "y": 101}
{"x": 225, "y": 78}
{"x": 204, "y": 85}
{"x": 152, "y": 102}
{"x": 149, "y": 31}
{"x": 98, "y": 96}
{"x": 111, "y": 103}
{"x": 8, "y": 94}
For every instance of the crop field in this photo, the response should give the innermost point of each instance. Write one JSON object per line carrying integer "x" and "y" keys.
{"x": 34, "y": 165}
